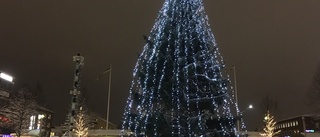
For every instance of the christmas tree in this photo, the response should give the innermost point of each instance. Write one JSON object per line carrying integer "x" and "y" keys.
{"x": 270, "y": 125}
{"x": 81, "y": 124}
{"x": 179, "y": 87}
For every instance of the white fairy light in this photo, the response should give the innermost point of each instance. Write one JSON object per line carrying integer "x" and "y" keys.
{"x": 178, "y": 81}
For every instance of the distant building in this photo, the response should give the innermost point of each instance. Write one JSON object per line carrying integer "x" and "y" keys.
{"x": 6, "y": 85}
{"x": 298, "y": 126}
{"x": 40, "y": 123}
{"x": 100, "y": 123}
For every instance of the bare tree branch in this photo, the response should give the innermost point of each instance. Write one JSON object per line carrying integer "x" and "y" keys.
{"x": 21, "y": 106}
{"x": 313, "y": 95}
{"x": 269, "y": 105}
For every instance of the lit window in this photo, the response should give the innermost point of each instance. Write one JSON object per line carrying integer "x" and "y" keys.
{"x": 40, "y": 116}
{"x": 32, "y": 122}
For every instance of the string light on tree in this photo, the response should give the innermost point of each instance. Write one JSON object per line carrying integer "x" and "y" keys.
{"x": 269, "y": 129}
{"x": 180, "y": 86}
{"x": 81, "y": 124}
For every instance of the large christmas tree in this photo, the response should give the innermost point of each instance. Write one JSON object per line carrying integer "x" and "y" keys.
{"x": 179, "y": 87}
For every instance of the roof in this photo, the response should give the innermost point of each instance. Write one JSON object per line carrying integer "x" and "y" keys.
{"x": 44, "y": 109}
{"x": 105, "y": 120}
{"x": 304, "y": 115}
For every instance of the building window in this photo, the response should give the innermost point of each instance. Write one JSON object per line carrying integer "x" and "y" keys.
{"x": 40, "y": 116}
{"x": 32, "y": 122}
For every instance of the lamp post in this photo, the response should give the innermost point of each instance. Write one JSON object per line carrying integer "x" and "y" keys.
{"x": 236, "y": 94}
{"x": 240, "y": 116}
{"x": 109, "y": 89}
{"x": 236, "y": 97}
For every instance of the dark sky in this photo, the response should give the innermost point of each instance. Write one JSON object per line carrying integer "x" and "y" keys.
{"x": 274, "y": 44}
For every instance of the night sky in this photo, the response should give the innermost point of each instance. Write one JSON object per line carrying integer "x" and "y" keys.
{"x": 274, "y": 44}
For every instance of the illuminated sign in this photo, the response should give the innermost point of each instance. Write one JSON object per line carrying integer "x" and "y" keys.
{"x": 310, "y": 131}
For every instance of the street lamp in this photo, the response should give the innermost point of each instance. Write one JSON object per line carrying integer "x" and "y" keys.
{"x": 6, "y": 77}
{"x": 240, "y": 116}
{"x": 249, "y": 107}
{"x": 109, "y": 88}
{"x": 5, "y": 86}
{"x": 236, "y": 98}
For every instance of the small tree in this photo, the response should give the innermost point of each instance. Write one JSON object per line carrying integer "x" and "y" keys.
{"x": 269, "y": 129}
{"x": 19, "y": 110}
{"x": 86, "y": 114}
{"x": 81, "y": 124}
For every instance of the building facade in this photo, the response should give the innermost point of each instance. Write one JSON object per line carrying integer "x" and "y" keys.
{"x": 299, "y": 126}
{"x": 6, "y": 87}
{"x": 41, "y": 122}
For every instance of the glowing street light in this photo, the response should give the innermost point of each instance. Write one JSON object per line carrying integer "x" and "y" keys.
{"x": 249, "y": 107}
{"x": 6, "y": 86}
{"x": 6, "y": 77}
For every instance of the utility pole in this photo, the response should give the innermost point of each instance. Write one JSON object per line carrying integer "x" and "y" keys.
{"x": 79, "y": 60}
{"x": 304, "y": 126}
